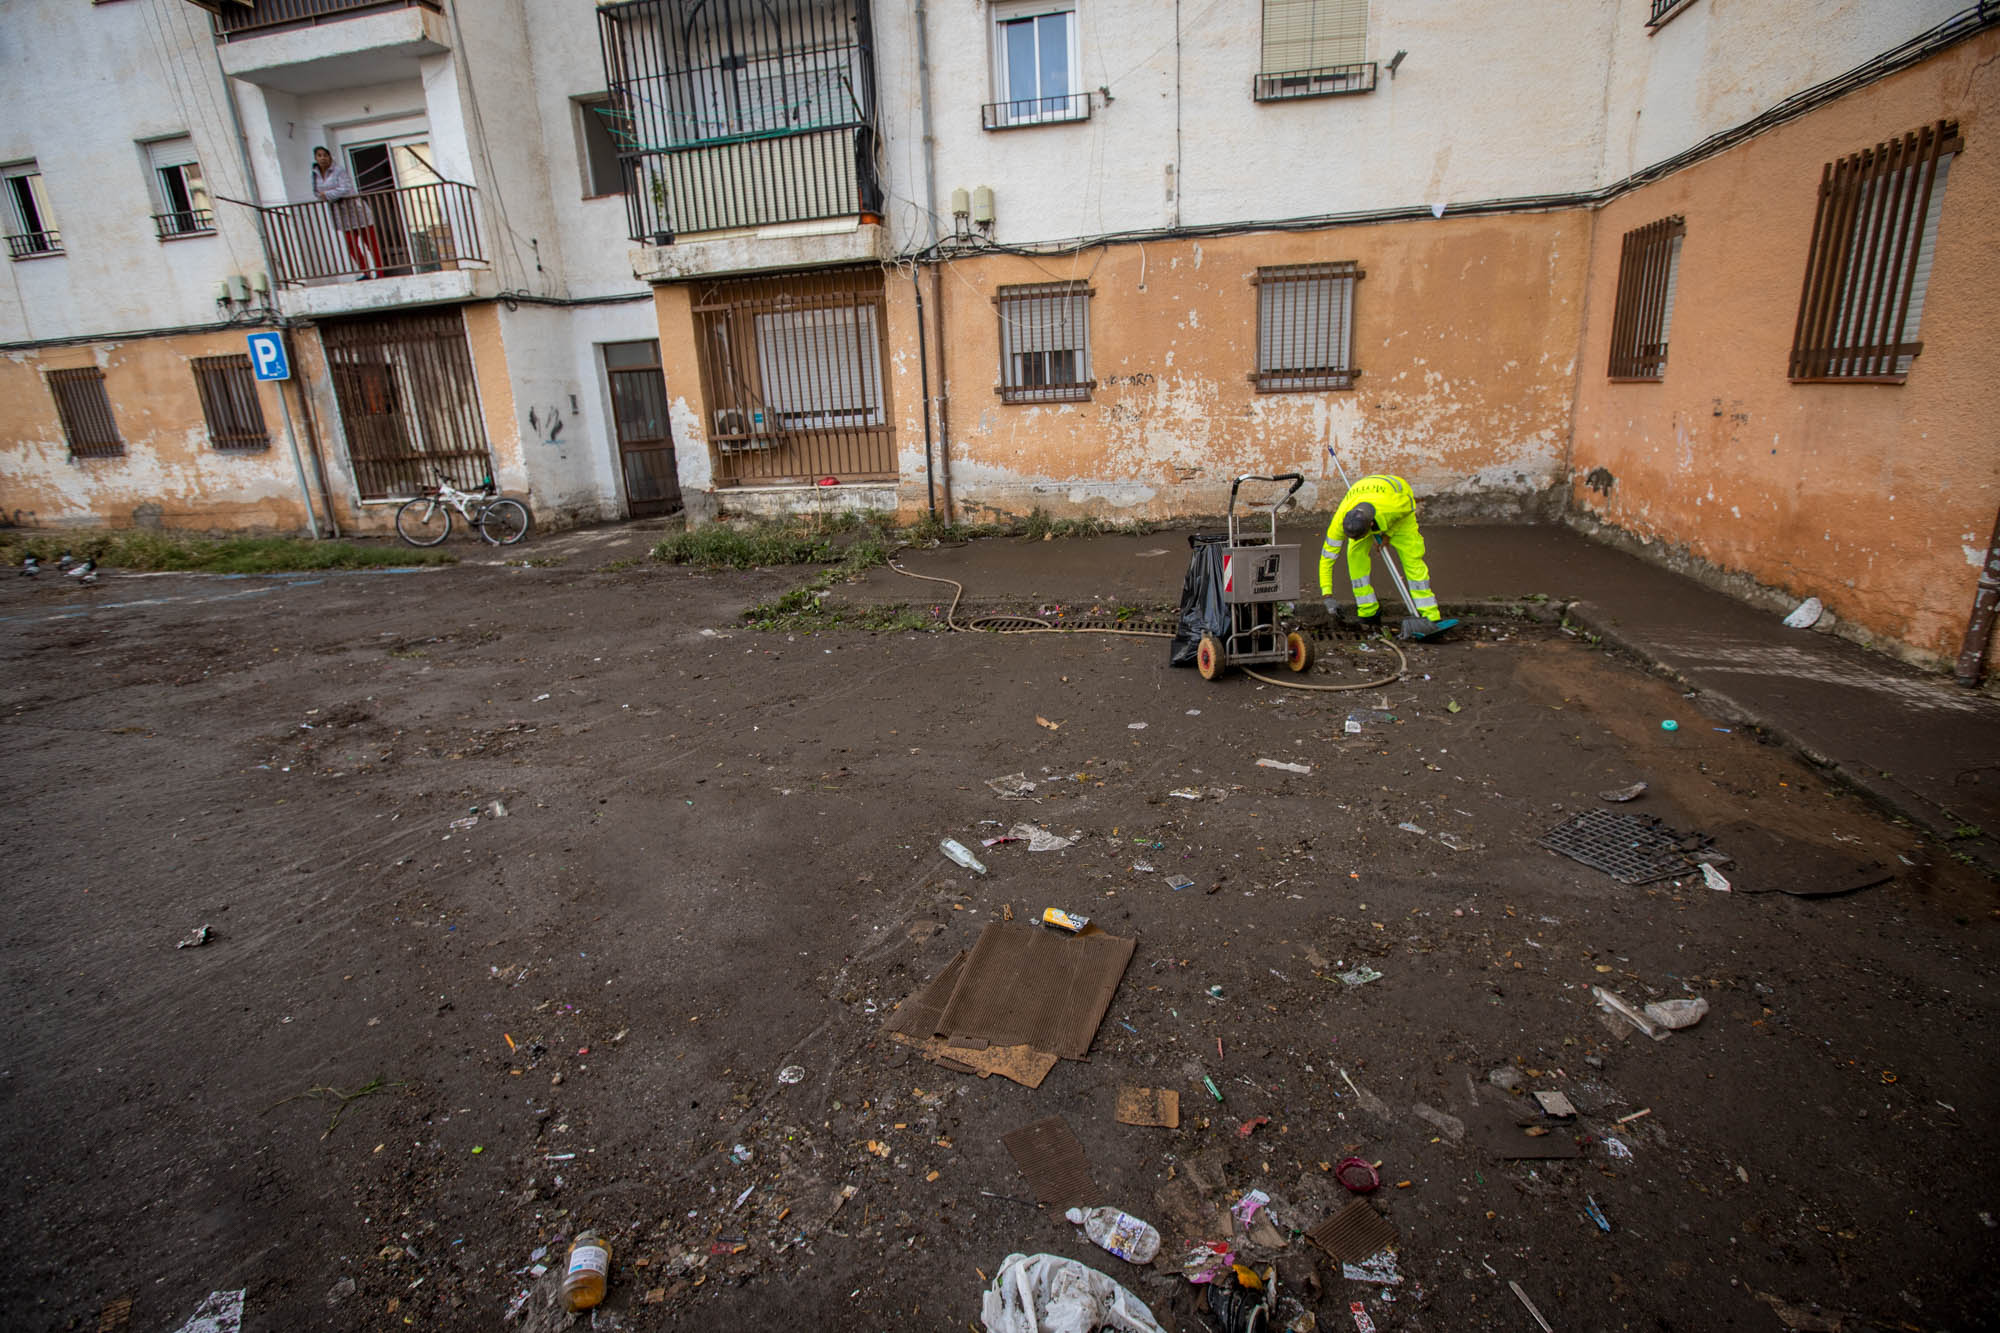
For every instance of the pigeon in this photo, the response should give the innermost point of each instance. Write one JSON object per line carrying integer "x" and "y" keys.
{"x": 85, "y": 572}
{"x": 30, "y": 567}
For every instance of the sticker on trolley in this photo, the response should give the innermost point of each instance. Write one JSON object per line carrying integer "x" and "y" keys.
{"x": 1263, "y": 574}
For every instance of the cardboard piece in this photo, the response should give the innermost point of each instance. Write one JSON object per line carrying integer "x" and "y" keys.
{"x": 1355, "y": 1233}
{"x": 1022, "y": 985}
{"x": 1023, "y": 1064}
{"x": 1053, "y": 1161}
{"x": 1149, "y": 1106}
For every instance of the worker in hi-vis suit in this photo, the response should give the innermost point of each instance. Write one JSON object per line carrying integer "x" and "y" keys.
{"x": 1374, "y": 505}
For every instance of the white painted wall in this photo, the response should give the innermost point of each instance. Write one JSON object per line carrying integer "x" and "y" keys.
{"x": 1493, "y": 101}
{"x": 84, "y": 84}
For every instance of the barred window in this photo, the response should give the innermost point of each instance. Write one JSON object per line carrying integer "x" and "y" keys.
{"x": 86, "y": 413}
{"x": 1305, "y": 327}
{"x": 229, "y": 402}
{"x": 1647, "y": 271}
{"x": 1045, "y": 343}
{"x": 1870, "y": 262}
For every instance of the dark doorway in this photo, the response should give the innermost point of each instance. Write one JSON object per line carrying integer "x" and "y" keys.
{"x": 408, "y": 401}
{"x": 639, "y": 414}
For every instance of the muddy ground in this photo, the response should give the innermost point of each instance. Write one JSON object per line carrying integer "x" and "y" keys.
{"x": 718, "y": 858}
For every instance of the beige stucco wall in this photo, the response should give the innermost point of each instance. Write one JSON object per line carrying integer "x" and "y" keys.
{"x": 169, "y": 475}
{"x": 1877, "y": 499}
{"x": 1465, "y": 330}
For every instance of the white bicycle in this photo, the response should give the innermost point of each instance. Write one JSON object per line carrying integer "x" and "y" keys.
{"x": 426, "y": 520}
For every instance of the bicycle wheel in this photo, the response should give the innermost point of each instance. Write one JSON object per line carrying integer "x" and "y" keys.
{"x": 504, "y": 522}
{"x": 422, "y": 522}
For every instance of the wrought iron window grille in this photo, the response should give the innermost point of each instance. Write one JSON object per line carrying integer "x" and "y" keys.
{"x": 189, "y": 222}
{"x": 1035, "y": 111}
{"x": 1044, "y": 343}
{"x": 88, "y": 426}
{"x": 1664, "y": 10}
{"x": 1648, "y": 267}
{"x": 229, "y": 404}
{"x": 35, "y": 244}
{"x": 1869, "y": 265}
{"x": 1305, "y": 327}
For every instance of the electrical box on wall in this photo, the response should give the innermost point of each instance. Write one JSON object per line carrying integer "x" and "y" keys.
{"x": 982, "y": 206}
{"x": 239, "y": 287}
{"x": 260, "y": 283}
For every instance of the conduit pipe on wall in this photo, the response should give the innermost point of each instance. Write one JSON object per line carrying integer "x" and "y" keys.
{"x": 924, "y": 373}
{"x": 944, "y": 390}
{"x": 1985, "y": 603}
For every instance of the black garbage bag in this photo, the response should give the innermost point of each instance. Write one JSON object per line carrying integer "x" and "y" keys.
{"x": 1202, "y": 609}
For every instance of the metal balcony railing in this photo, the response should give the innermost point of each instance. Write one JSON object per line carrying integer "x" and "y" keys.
{"x": 731, "y": 115}
{"x": 1034, "y": 111}
{"x": 381, "y": 234}
{"x": 30, "y": 245}
{"x": 1330, "y": 81}
{"x": 187, "y": 222}
{"x": 236, "y": 19}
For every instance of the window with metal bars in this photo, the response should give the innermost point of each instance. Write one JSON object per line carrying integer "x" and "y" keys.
{"x": 1647, "y": 270}
{"x": 87, "y": 422}
{"x": 1044, "y": 343}
{"x": 1305, "y": 327}
{"x": 1662, "y": 10}
{"x": 1870, "y": 262}
{"x": 1314, "y": 48}
{"x": 229, "y": 402}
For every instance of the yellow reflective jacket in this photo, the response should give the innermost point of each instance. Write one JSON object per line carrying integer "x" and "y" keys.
{"x": 1394, "y": 502}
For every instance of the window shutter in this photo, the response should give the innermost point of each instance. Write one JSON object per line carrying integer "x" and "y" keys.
{"x": 1314, "y": 34}
{"x": 162, "y": 153}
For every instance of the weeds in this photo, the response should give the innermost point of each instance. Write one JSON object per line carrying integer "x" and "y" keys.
{"x": 225, "y": 555}
{"x": 331, "y": 1094}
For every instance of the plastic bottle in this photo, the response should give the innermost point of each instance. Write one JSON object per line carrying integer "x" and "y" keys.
{"x": 586, "y": 1272}
{"x": 962, "y": 854}
{"x": 1122, "y": 1234}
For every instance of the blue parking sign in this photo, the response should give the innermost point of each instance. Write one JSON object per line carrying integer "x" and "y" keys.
{"x": 267, "y": 356}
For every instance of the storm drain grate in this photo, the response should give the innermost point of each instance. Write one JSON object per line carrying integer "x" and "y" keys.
{"x": 1632, "y": 849}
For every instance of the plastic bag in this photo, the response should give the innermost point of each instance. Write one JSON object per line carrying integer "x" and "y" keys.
{"x": 1046, "y": 1293}
{"x": 1202, "y": 609}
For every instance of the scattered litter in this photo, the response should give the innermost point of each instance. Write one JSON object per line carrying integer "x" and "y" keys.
{"x": 1453, "y": 706}
{"x": 221, "y": 1312}
{"x": 1130, "y": 1238}
{"x": 1369, "y": 1101}
{"x": 540, "y": 697}
{"x": 1044, "y": 722}
{"x": 1359, "y": 976}
{"x": 1159, "y": 1107}
{"x": 1142, "y": 867}
{"x": 1595, "y": 1213}
{"x": 197, "y": 937}
{"x": 1039, "y": 839}
{"x": 1061, "y": 920}
{"x": 1713, "y": 878}
{"x": 1013, "y": 787}
{"x": 1379, "y": 1268}
{"x": 1357, "y": 1176}
{"x": 1801, "y": 1320}
{"x": 1611, "y": 1003}
{"x": 1048, "y": 1154}
{"x": 1362, "y": 1323}
{"x": 962, "y": 854}
{"x": 1046, "y": 1293}
{"x": 1453, "y": 841}
{"x": 1135, "y": 726}
{"x": 1678, "y": 1013}
{"x": 1806, "y": 614}
{"x": 1281, "y": 764}
{"x": 741, "y": 1152}
{"x": 1616, "y": 1147}
{"x": 1666, "y": 724}
{"x": 878, "y": 1148}
{"x": 1353, "y": 728}
{"x": 466, "y": 822}
{"x": 792, "y": 1074}
{"x": 1206, "y": 1260}
{"x": 1511, "y": 1135}
{"x": 1556, "y": 1105}
{"x": 748, "y": 1190}
{"x": 1631, "y": 793}
{"x": 1505, "y": 1078}
{"x": 1179, "y": 882}
{"x": 1213, "y": 1091}
{"x": 1194, "y": 712}
{"x": 1186, "y": 793}
{"x": 1251, "y": 1126}
{"x": 1354, "y": 1233}
{"x": 1636, "y": 1115}
{"x": 1247, "y": 1207}
{"x": 1531, "y": 1307}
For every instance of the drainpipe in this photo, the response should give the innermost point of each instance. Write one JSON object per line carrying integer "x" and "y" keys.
{"x": 924, "y": 369}
{"x": 924, "y": 111}
{"x": 1972, "y": 657}
{"x": 944, "y": 390}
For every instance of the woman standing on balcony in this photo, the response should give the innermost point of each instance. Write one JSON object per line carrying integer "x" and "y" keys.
{"x": 334, "y": 185}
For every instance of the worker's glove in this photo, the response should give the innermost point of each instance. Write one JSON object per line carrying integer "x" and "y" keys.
{"x": 1332, "y": 605}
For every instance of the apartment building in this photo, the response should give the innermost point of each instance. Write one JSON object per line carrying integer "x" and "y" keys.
{"x": 1715, "y": 277}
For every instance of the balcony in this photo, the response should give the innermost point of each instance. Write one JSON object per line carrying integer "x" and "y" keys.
{"x": 239, "y": 19}
{"x": 384, "y": 234}
{"x": 1034, "y": 111}
{"x": 736, "y": 119}
{"x": 186, "y": 222}
{"x": 1329, "y": 81}
{"x": 34, "y": 244}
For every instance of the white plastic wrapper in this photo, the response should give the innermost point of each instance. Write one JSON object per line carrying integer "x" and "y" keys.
{"x": 1046, "y": 1293}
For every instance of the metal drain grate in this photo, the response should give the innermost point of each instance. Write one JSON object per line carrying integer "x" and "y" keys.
{"x": 1009, "y": 624}
{"x": 1632, "y": 849}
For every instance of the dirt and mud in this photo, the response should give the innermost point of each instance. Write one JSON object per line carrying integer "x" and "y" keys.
{"x": 525, "y": 884}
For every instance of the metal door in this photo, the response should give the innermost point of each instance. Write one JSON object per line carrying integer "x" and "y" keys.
{"x": 408, "y": 401}
{"x": 645, "y": 440}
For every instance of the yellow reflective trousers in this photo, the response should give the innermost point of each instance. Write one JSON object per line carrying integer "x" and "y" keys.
{"x": 1396, "y": 520}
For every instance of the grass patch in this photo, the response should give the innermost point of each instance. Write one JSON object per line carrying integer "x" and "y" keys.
{"x": 213, "y": 555}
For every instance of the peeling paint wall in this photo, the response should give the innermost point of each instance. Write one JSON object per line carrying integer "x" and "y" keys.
{"x": 169, "y": 475}
{"x": 1865, "y": 496}
{"x": 1464, "y": 331}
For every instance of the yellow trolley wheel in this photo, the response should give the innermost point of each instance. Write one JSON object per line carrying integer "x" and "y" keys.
{"x": 1298, "y": 652}
{"x": 1208, "y": 657}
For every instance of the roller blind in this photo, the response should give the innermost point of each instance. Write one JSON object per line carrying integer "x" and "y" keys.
{"x": 1314, "y": 34}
